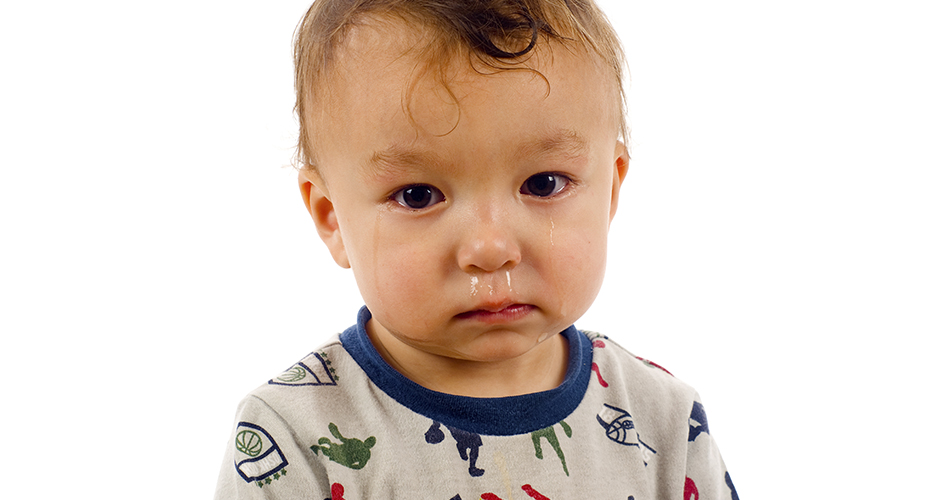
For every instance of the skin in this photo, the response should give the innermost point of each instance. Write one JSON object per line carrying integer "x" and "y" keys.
{"x": 469, "y": 292}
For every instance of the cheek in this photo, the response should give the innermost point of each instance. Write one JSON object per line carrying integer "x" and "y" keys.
{"x": 404, "y": 276}
{"x": 578, "y": 257}
{"x": 582, "y": 259}
{"x": 396, "y": 271}
{"x": 579, "y": 231}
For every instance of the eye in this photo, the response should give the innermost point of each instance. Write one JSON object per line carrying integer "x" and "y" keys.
{"x": 418, "y": 197}
{"x": 544, "y": 185}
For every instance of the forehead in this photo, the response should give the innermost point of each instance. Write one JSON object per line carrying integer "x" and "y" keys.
{"x": 386, "y": 91}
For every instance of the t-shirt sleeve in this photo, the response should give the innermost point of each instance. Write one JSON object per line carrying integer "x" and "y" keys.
{"x": 266, "y": 460}
{"x": 706, "y": 476}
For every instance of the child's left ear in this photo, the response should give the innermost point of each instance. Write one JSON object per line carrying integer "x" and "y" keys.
{"x": 620, "y": 167}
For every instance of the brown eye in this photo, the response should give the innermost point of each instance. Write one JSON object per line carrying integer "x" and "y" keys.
{"x": 544, "y": 185}
{"x": 418, "y": 197}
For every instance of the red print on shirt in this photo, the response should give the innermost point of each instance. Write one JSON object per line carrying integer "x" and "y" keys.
{"x": 690, "y": 490}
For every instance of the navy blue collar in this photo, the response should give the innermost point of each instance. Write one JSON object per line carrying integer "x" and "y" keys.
{"x": 487, "y": 416}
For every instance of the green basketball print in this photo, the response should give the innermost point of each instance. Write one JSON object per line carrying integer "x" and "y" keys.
{"x": 295, "y": 374}
{"x": 249, "y": 443}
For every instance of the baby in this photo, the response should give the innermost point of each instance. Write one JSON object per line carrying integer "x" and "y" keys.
{"x": 462, "y": 158}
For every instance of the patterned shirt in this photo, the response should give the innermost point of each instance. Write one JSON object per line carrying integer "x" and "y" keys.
{"x": 342, "y": 424}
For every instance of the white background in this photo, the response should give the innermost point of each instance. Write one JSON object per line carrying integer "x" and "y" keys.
{"x": 781, "y": 243}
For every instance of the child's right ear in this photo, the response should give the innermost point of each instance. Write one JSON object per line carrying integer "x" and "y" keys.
{"x": 323, "y": 213}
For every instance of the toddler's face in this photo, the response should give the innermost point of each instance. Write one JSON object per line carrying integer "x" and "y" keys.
{"x": 474, "y": 230}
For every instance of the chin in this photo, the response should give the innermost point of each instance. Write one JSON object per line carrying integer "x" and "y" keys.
{"x": 502, "y": 346}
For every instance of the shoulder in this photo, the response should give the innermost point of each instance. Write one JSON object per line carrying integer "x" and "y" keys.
{"x": 277, "y": 423}
{"x": 603, "y": 342}
{"x": 608, "y": 353}
{"x": 640, "y": 386}
{"x": 666, "y": 413}
{"x": 298, "y": 388}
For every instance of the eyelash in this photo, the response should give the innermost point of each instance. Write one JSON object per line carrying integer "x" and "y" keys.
{"x": 433, "y": 196}
{"x": 560, "y": 181}
{"x": 430, "y": 195}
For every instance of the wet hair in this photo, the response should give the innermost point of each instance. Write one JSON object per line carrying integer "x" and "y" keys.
{"x": 494, "y": 34}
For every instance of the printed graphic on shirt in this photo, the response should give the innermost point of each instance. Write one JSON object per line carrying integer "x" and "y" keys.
{"x": 550, "y": 434}
{"x": 596, "y": 370}
{"x": 731, "y": 486}
{"x": 620, "y": 429}
{"x": 258, "y": 458}
{"x": 531, "y": 492}
{"x": 349, "y": 452}
{"x": 468, "y": 444}
{"x": 618, "y": 424}
{"x": 314, "y": 369}
{"x": 653, "y": 365}
{"x": 690, "y": 492}
{"x": 697, "y": 421}
{"x": 594, "y": 336}
{"x": 337, "y": 491}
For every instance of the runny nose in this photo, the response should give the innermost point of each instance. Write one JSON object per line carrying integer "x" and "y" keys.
{"x": 488, "y": 249}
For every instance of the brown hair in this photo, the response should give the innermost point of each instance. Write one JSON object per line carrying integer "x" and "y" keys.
{"x": 497, "y": 33}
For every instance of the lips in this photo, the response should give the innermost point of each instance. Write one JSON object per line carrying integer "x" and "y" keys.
{"x": 499, "y": 313}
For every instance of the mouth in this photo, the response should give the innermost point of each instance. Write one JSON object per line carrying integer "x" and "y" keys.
{"x": 501, "y": 313}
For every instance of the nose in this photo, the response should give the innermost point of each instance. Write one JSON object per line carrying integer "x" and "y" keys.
{"x": 488, "y": 246}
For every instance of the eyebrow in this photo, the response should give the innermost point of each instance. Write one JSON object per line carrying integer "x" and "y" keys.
{"x": 397, "y": 158}
{"x": 564, "y": 142}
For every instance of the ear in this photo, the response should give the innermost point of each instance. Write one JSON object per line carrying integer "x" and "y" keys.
{"x": 321, "y": 209}
{"x": 620, "y": 167}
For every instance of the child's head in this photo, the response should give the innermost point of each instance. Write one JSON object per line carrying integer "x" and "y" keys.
{"x": 492, "y": 34}
{"x": 462, "y": 157}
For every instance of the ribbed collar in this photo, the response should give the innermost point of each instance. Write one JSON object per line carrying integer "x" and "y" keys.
{"x": 487, "y": 416}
